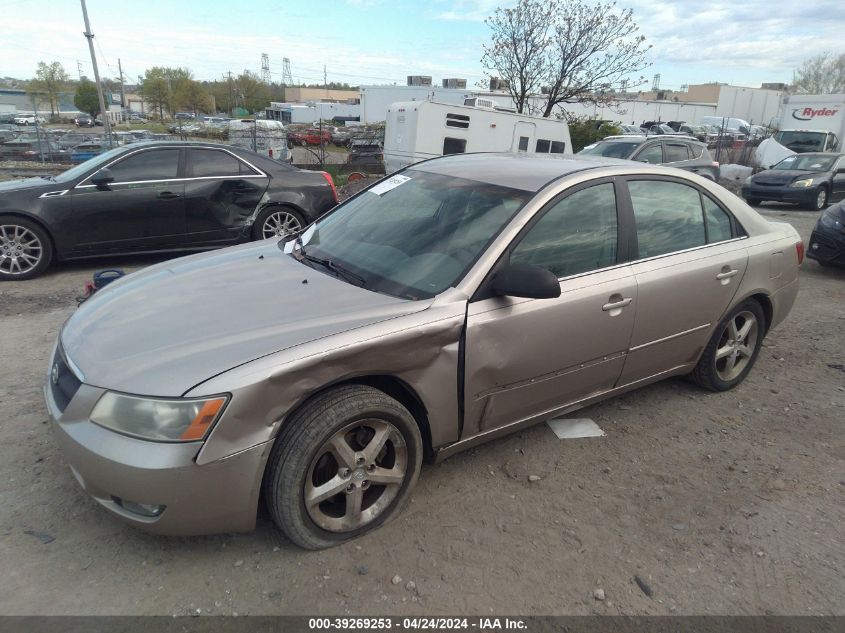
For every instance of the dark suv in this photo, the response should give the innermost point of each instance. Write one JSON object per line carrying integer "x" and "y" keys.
{"x": 678, "y": 151}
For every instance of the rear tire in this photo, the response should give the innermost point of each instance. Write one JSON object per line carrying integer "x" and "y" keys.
{"x": 753, "y": 201}
{"x": 318, "y": 481}
{"x": 733, "y": 349}
{"x": 277, "y": 221}
{"x": 25, "y": 249}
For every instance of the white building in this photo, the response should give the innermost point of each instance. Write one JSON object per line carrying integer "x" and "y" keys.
{"x": 310, "y": 112}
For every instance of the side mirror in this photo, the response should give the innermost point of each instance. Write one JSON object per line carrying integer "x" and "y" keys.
{"x": 525, "y": 280}
{"x": 102, "y": 179}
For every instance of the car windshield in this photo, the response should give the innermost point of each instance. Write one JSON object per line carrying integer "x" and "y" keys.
{"x": 611, "y": 149}
{"x": 415, "y": 234}
{"x": 83, "y": 168}
{"x": 801, "y": 141}
{"x": 806, "y": 163}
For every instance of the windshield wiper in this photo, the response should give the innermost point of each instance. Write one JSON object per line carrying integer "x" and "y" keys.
{"x": 329, "y": 264}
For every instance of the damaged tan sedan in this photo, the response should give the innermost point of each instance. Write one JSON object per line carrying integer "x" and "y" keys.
{"x": 458, "y": 300}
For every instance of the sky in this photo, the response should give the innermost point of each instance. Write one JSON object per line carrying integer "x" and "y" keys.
{"x": 382, "y": 41}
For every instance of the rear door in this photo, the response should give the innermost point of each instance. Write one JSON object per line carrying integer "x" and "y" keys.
{"x": 650, "y": 152}
{"x": 690, "y": 261}
{"x": 144, "y": 208}
{"x": 523, "y": 136}
{"x": 222, "y": 192}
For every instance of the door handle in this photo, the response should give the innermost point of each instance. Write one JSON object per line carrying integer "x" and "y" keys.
{"x": 616, "y": 305}
{"x": 726, "y": 274}
{"x": 167, "y": 195}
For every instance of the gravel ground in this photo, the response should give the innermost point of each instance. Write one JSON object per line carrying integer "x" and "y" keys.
{"x": 718, "y": 503}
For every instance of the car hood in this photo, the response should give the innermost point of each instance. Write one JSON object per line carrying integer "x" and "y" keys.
{"x": 164, "y": 330}
{"x": 27, "y": 184}
{"x": 783, "y": 176}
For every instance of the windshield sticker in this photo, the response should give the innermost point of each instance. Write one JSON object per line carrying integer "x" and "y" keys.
{"x": 386, "y": 185}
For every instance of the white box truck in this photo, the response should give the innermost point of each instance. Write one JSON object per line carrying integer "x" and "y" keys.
{"x": 417, "y": 130}
{"x": 264, "y": 136}
{"x": 812, "y": 123}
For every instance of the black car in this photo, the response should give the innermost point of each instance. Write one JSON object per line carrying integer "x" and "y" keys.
{"x": 812, "y": 180}
{"x": 827, "y": 242}
{"x": 155, "y": 196}
{"x": 675, "y": 151}
{"x": 84, "y": 120}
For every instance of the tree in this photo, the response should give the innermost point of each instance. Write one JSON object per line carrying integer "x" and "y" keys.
{"x": 86, "y": 99}
{"x": 50, "y": 80}
{"x": 822, "y": 74}
{"x": 584, "y": 131}
{"x": 250, "y": 92}
{"x": 191, "y": 96}
{"x": 570, "y": 51}
{"x": 159, "y": 84}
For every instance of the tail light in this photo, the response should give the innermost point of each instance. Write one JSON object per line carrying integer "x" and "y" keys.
{"x": 715, "y": 164}
{"x": 331, "y": 184}
{"x": 271, "y": 152}
{"x": 799, "y": 248}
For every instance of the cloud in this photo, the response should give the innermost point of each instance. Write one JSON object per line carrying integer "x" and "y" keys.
{"x": 469, "y": 10}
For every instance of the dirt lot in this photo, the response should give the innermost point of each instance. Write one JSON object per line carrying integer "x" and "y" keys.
{"x": 728, "y": 503}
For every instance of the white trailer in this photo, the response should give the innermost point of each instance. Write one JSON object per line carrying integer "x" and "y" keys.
{"x": 417, "y": 130}
{"x": 812, "y": 123}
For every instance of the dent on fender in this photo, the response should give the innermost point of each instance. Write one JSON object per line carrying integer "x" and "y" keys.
{"x": 424, "y": 355}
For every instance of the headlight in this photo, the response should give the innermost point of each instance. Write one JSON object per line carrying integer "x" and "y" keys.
{"x": 831, "y": 221}
{"x": 160, "y": 420}
{"x": 806, "y": 182}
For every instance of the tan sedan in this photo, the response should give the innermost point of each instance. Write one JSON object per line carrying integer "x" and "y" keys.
{"x": 458, "y": 300}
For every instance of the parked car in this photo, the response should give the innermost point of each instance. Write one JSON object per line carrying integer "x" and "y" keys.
{"x": 6, "y": 118}
{"x": 661, "y": 128}
{"x": 702, "y": 133}
{"x": 682, "y": 152}
{"x": 29, "y": 119}
{"x": 185, "y": 116}
{"x": 157, "y": 196}
{"x": 310, "y": 137}
{"x": 135, "y": 117}
{"x": 827, "y": 242}
{"x": 316, "y": 373}
{"x": 811, "y": 180}
{"x": 87, "y": 150}
{"x": 631, "y": 129}
{"x": 84, "y": 121}
{"x": 340, "y": 137}
{"x": 365, "y": 155}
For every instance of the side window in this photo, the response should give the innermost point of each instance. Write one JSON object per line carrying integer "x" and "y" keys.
{"x": 576, "y": 235}
{"x": 696, "y": 151}
{"x": 155, "y": 164}
{"x": 668, "y": 216}
{"x": 457, "y": 120}
{"x": 652, "y": 154}
{"x": 718, "y": 222}
{"x": 454, "y": 146}
{"x": 558, "y": 147}
{"x": 212, "y": 162}
{"x": 543, "y": 146}
{"x": 523, "y": 143}
{"x": 675, "y": 152}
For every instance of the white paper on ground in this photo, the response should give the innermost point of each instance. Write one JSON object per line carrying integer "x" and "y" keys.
{"x": 567, "y": 429}
{"x": 386, "y": 185}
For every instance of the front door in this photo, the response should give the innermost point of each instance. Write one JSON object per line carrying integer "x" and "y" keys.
{"x": 221, "y": 195}
{"x": 528, "y": 357}
{"x": 144, "y": 208}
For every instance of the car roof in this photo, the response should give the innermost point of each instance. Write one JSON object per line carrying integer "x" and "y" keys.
{"x": 528, "y": 172}
{"x": 650, "y": 137}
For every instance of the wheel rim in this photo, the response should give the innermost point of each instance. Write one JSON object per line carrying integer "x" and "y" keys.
{"x": 736, "y": 346}
{"x": 20, "y": 249}
{"x": 355, "y": 475}
{"x": 280, "y": 224}
{"x": 821, "y": 199}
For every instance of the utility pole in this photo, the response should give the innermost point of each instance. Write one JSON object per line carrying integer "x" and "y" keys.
{"x": 90, "y": 37}
{"x": 122, "y": 92}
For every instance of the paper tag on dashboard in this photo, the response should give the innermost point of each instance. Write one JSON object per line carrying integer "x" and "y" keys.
{"x": 386, "y": 185}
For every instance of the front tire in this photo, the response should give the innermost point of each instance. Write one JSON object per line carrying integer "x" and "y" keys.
{"x": 25, "y": 249}
{"x": 820, "y": 201}
{"x": 277, "y": 222}
{"x": 343, "y": 465}
{"x": 733, "y": 349}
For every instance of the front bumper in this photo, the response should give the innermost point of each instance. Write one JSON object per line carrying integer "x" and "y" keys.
{"x": 827, "y": 245}
{"x": 221, "y": 496}
{"x": 794, "y": 195}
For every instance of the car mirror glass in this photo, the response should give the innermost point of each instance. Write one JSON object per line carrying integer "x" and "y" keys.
{"x": 102, "y": 179}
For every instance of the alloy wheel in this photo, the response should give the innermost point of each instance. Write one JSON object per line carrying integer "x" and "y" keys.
{"x": 20, "y": 249}
{"x": 821, "y": 199}
{"x": 736, "y": 346}
{"x": 280, "y": 224}
{"x": 355, "y": 475}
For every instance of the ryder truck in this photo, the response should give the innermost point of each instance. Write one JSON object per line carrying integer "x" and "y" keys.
{"x": 812, "y": 123}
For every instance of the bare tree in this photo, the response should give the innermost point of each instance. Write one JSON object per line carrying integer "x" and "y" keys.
{"x": 570, "y": 51}
{"x": 517, "y": 51}
{"x": 822, "y": 74}
{"x": 50, "y": 80}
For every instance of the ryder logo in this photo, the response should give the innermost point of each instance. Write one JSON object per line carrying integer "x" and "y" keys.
{"x": 808, "y": 114}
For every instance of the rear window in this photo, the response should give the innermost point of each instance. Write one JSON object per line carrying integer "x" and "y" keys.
{"x": 610, "y": 149}
{"x": 675, "y": 152}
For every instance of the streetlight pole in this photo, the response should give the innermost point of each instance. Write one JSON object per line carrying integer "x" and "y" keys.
{"x": 90, "y": 37}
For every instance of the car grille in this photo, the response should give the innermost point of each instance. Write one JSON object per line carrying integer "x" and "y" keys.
{"x": 63, "y": 382}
